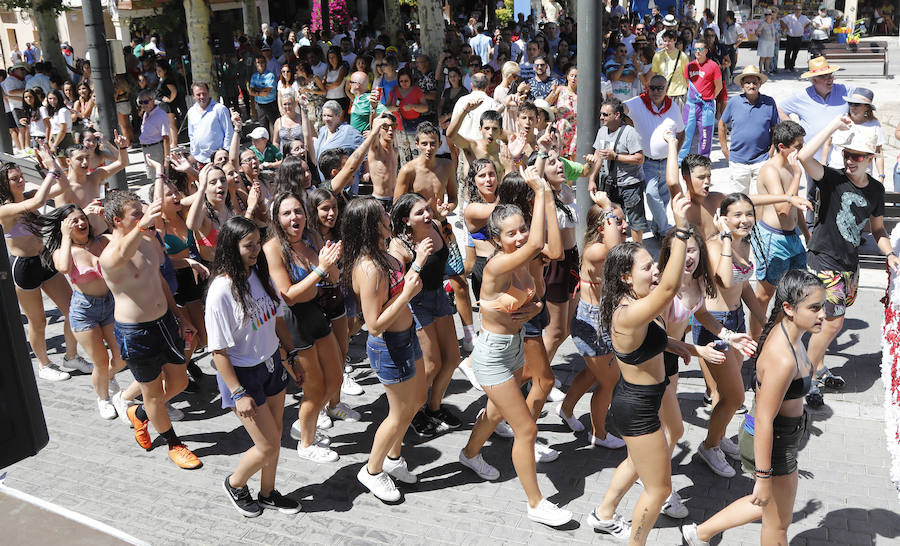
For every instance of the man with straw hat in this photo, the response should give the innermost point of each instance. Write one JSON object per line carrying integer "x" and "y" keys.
{"x": 755, "y": 115}
{"x": 849, "y": 198}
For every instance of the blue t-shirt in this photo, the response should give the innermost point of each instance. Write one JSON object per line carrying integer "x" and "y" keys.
{"x": 266, "y": 79}
{"x": 751, "y": 126}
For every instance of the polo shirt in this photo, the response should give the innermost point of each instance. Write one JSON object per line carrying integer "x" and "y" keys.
{"x": 266, "y": 79}
{"x": 816, "y": 113}
{"x": 752, "y": 124}
{"x": 652, "y": 126}
{"x": 360, "y": 110}
{"x": 268, "y": 155}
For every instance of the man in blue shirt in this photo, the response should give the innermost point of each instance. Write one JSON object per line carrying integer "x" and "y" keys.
{"x": 209, "y": 124}
{"x": 754, "y": 115}
{"x": 262, "y": 88}
{"x": 481, "y": 43}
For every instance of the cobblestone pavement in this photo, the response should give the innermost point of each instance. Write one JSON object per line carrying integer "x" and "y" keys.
{"x": 94, "y": 467}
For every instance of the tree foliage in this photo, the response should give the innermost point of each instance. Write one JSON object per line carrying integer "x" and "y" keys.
{"x": 44, "y": 5}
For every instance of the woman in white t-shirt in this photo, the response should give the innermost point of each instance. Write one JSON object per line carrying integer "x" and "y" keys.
{"x": 34, "y": 116}
{"x": 244, "y": 327}
{"x": 862, "y": 113}
{"x": 60, "y": 124}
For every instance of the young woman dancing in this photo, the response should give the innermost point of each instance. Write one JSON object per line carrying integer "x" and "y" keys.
{"x": 777, "y": 423}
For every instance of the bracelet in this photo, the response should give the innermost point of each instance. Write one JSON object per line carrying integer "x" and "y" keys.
{"x": 725, "y": 335}
{"x": 238, "y": 391}
{"x": 122, "y": 147}
{"x": 726, "y": 255}
{"x": 725, "y": 235}
{"x": 320, "y": 272}
{"x": 238, "y": 396}
{"x": 416, "y": 267}
{"x": 292, "y": 353}
{"x": 684, "y": 234}
{"x": 763, "y": 473}
{"x": 161, "y": 175}
{"x": 892, "y": 253}
{"x": 543, "y": 155}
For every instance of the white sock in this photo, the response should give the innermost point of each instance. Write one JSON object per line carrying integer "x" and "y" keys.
{"x": 468, "y": 332}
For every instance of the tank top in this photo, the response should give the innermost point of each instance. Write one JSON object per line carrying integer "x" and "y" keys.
{"x": 338, "y": 92}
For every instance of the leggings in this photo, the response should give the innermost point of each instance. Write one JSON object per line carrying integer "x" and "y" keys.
{"x": 699, "y": 121}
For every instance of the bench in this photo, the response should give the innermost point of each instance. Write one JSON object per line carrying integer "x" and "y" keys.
{"x": 869, "y": 253}
{"x": 863, "y": 53}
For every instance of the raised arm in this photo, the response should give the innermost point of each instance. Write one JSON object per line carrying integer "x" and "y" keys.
{"x": 234, "y": 151}
{"x": 672, "y": 175}
{"x": 120, "y": 163}
{"x": 343, "y": 178}
{"x": 121, "y": 250}
{"x": 455, "y": 121}
{"x": 502, "y": 263}
{"x": 807, "y": 155}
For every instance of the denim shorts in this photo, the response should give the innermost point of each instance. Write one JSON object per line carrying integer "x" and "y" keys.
{"x": 429, "y": 305}
{"x": 87, "y": 312}
{"x": 536, "y": 324}
{"x": 146, "y": 346}
{"x": 261, "y": 381}
{"x": 733, "y": 320}
{"x": 779, "y": 252}
{"x": 586, "y": 332}
{"x": 393, "y": 355}
{"x": 496, "y": 356}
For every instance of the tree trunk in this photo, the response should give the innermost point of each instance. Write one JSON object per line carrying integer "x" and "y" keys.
{"x": 392, "y": 19}
{"x": 196, "y": 17}
{"x": 431, "y": 32}
{"x": 45, "y": 24}
{"x": 251, "y": 19}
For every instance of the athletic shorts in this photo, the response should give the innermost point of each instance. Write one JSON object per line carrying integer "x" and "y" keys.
{"x": 779, "y": 251}
{"x": 561, "y": 277}
{"x": 589, "y": 338}
{"x": 261, "y": 381}
{"x": 147, "y": 346}
{"x": 840, "y": 289}
{"x": 497, "y": 356}
{"x": 393, "y": 356}
{"x": 88, "y": 312}
{"x": 30, "y": 273}
{"x": 634, "y": 409}
{"x": 429, "y": 305}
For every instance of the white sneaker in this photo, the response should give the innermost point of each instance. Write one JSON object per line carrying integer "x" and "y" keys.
{"x": 51, "y": 373}
{"x": 317, "y": 453}
{"x": 466, "y": 369}
{"x": 121, "y": 406}
{"x": 350, "y": 386}
{"x": 730, "y": 448}
{"x": 480, "y": 466}
{"x": 343, "y": 412}
{"x": 715, "y": 459}
{"x": 113, "y": 386}
{"x": 556, "y": 395}
{"x": 610, "y": 442}
{"x": 321, "y": 438}
{"x": 504, "y": 430}
{"x": 107, "y": 410}
{"x": 674, "y": 507}
{"x": 544, "y": 454}
{"x": 381, "y": 485}
{"x": 175, "y": 414}
{"x": 78, "y": 363}
{"x": 324, "y": 421}
{"x": 398, "y": 470}
{"x": 617, "y": 526}
{"x": 549, "y": 514}
{"x": 689, "y": 532}
{"x": 573, "y": 423}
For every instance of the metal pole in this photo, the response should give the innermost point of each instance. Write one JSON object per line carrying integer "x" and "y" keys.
{"x": 102, "y": 77}
{"x": 5, "y": 140}
{"x": 590, "y": 63}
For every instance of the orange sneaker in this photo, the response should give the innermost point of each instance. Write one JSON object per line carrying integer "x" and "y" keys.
{"x": 184, "y": 457}
{"x": 141, "y": 432}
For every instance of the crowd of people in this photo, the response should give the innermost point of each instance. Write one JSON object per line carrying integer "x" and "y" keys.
{"x": 326, "y": 208}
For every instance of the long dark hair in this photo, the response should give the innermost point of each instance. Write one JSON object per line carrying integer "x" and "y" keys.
{"x": 567, "y": 212}
{"x": 793, "y": 288}
{"x": 515, "y": 191}
{"x": 754, "y": 238}
{"x": 702, "y": 265}
{"x": 472, "y": 193}
{"x": 31, "y": 220}
{"x": 60, "y": 103}
{"x": 618, "y": 263}
{"x": 362, "y": 238}
{"x": 228, "y": 262}
{"x": 210, "y": 210}
{"x": 288, "y": 175}
{"x": 313, "y": 200}
{"x": 400, "y": 212}
{"x": 51, "y": 230}
{"x": 278, "y": 232}
{"x": 596, "y": 217}
{"x": 33, "y": 113}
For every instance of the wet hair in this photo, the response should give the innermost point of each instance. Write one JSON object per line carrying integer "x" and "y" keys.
{"x": 794, "y": 287}
{"x": 702, "y": 270}
{"x": 401, "y": 211}
{"x": 501, "y": 213}
{"x": 489, "y": 115}
{"x": 596, "y": 217}
{"x": 619, "y": 263}
{"x": 115, "y": 202}
{"x": 228, "y": 263}
{"x": 313, "y": 200}
{"x": 331, "y": 160}
{"x": 515, "y": 191}
{"x": 786, "y": 133}
{"x": 471, "y": 190}
{"x": 428, "y": 128}
{"x": 731, "y": 199}
{"x": 275, "y": 223}
{"x": 289, "y": 174}
{"x": 51, "y": 230}
{"x": 567, "y": 212}
{"x": 6, "y": 195}
{"x": 362, "y": 238}
{"x": 670, "y": 34}
{"x": 528, "y": 107}
{"x": 210, "y": 211}
{"x": 691, "y": 162}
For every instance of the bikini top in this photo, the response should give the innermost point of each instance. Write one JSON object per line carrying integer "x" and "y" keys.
{"x": 654, "y": 343}
{"x": 509, "y": 301}
{"x": 83, "y": 276}
{"x": 210, "y": 238}
{"x": 799, "y": 387}
{"x": 482, "y": 234}
{"x": 678, "y": 313}
{"x": 397, "y": 281}
{"x": 175, "y": 244}
{"x": 18, "y": 230}
{"x": 741, "y": 274}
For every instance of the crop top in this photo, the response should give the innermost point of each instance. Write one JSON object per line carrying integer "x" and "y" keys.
{"x": 509, "y": 301}
{"x": 654, "y": 343}
{"x": 741, "y": 274}
{"x": 678, "y": 313}
{"x": 799, "y": 387}
{"x": 18, "y": 230}
{"x": 86, "y": 275}
{"x": 175, "y": 244}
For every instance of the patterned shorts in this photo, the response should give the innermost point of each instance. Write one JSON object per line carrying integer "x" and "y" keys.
{"x": 840, "y": 289}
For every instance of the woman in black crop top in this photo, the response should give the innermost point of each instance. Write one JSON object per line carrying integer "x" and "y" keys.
{"x": 774, "y": 429}
{"x": 412, "y": 222}
{"x": 634, "y": 297}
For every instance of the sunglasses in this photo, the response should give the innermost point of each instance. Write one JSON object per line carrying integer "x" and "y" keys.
{"x": 146, "y": 101}
{"x": 604, "y": 115}
{"x": 856, "y": 157}
{"x": 657, "y": 87}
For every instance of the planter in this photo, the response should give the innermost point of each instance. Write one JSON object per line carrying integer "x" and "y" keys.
{"x": 841, "y": 37}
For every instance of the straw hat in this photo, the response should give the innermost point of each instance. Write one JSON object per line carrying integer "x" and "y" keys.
{"x": 858, "y": 139}
{"x": 819, "y": 67}
{"x": 750, "y": 70}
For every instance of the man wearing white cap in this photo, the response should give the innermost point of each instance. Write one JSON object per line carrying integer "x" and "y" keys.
{"x": 266, "y": 153}
{"x": 848, "y": 199}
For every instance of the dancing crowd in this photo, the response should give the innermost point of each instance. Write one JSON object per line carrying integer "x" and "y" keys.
{"x": 271, "y": 256}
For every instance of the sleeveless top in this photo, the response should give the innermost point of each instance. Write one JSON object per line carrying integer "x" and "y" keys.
{"x": 654, "y": 343}
{"x": 799, "y": 387}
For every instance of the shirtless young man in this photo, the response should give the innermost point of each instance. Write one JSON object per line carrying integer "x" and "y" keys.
{"x": 84, "y": 184}
{"x": 383, "y": 163}
{"x": 434, "y": 178}
{"x": 488, "y": 146}
{"x": 779, "y": 226}
{"x": 146, "y": 319}
{"x": 524, "y": 142}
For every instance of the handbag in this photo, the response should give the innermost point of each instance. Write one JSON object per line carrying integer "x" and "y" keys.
{"x": 608, "y": 180}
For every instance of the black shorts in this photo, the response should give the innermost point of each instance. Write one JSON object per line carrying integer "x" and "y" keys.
{"x": 536, "y": 324}
{"x": 635, "y": 408}
{"x": 331, "y": 300}
{"x": 307, "y": 323}
{"x": 30, "y": 273}
{"x": 147, "y": 346}
{"x": 788, "y": 434}
{"x": 477, "y": 275}
{"x": 561, "y": 277}
{"x": 189, "y": 290}
{"x": 261, "y": 381}
{"x": 671, "y": 362}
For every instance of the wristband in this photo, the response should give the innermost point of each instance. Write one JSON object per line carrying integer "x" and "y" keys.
{"x": 238, "y": 396}
{"x": 416, "y": 267}
{"x": 764, "y": 474}
{"x": 320, "y": 272}
{"x": 238, "y": 392}
{"x": 683, "y": 234}
{"x": 543, "y": 155}
{"x": 293, "y": 353}
{"x": 725, "y": 235}
{"x": 725, "y": 335}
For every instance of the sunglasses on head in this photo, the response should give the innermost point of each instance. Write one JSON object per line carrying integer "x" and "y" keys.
{"x": 855, "y": 156}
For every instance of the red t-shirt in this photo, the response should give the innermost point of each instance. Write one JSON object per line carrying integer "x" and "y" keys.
{"x": 704, "y": 77}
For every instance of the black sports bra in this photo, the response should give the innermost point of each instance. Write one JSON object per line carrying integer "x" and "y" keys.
{"x": 654, "y": 343}
{"x": 799, "y": 387}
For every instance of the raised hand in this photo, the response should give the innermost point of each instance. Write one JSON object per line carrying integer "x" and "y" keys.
{"x": 680, "y": 205}
{"x": 67, "y": 227}
{"x": 601, "y": 198}
{"x": 179, "y": 162}
{"x": 154, "y": 212}
{"x": 443, "y": 209}
{"x": 330, "y": 254}
{"x": 532, "y": 178}
{"x": 424, "y": 249}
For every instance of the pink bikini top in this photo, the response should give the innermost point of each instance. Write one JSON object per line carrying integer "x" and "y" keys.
{"x": 678, "y": 313}
{"x": 86, "y": 275}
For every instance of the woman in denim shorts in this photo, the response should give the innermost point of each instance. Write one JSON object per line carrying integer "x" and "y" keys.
{"x": 384, "y": 289}
{"x": 71, "y": 245}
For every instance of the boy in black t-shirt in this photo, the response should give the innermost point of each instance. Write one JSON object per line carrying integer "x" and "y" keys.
{"x": 848, "y": 198}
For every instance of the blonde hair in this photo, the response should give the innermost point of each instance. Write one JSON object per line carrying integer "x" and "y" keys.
{"x": 509, "y": 67}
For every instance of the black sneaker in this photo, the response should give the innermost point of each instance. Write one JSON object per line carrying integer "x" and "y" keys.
{"x": 741, "y": 410}
{"x": 815, "y": 400}
{"x": 242, "y": 500}
{"x": 443, "y": 419}
{"x": 192, "y": 387}
{"x": 277, "y": 501}
{"x": 423, "y": 426}
{"x": 194, "y": 371}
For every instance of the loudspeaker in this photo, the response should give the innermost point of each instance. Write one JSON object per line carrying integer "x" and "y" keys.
{"x": 23, "y": 431}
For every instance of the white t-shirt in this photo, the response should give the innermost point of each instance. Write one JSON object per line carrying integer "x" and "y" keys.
{"x": 12, "y": 83}
{"x": 37, "y": 128}
{"x": 821, "y": 33}
{"x": 63, "y": 115}
{"x": 652, "y": 128}
{"x": 247, "y": 340}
